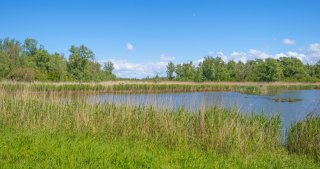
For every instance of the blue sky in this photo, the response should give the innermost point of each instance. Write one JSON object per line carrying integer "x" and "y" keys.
{"x": 141, "y": 36}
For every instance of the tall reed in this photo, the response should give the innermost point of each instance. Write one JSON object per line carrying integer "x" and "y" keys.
{"x": 251, "y": 88}
{"x": 216, "y": 128}
{"x": 304, "y": 137}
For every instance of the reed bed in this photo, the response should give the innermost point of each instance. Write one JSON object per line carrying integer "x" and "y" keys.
{"x": 304, "y": 137}
{"x": 140, "y": 87}
{"x": 216, "y": 129}
{"x": 69, "y": 120}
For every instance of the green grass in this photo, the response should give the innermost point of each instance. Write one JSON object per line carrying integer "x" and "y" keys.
{"x": 304, "y": 137}
{"x": 38, "y": 149}
{"x": 66, "y": 131}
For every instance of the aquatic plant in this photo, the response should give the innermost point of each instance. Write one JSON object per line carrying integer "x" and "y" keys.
{"x": 304, "y": 137}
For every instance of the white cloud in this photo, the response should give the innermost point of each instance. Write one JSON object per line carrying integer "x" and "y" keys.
{"x": 252, "y": 54}
{"x": 300, "y": 56}
{"x": 166, "y": 58}
{"x": 313, "y": 53}
{"x": 130, "y": 46}
{"x": 288, "y": 41}
{"x": 125, "y": 69}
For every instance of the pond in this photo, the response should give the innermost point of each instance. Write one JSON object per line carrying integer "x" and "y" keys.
{"x": 305, "y": 102}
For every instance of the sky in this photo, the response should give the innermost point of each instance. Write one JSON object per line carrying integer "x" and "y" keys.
{"x": 141, "y": 36}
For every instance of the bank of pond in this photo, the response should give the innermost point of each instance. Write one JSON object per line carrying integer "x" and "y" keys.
{"x": 227, "y": 124}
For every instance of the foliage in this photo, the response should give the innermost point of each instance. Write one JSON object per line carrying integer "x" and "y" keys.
{"x": 40, "y": 65}
{"x": 66, "y": 131}
{"x": 23, "y": 74}
{"x": 304, "y": 137}
{"x": 170, "y": 70}
{"x": 268, "y": 70}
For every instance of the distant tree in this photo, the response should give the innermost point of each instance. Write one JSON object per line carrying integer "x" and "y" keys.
{"x": 4, "y": 65}
{"x": 57, "y": 68}
{"x": 170, "y": 70}
{"x": 199, "y": 73}
{"x": 30, "y": 46}
{"x": 214, "y": 69}
{"x": 232, "y": 70}
{"x": 91, "y": 71}
{"x": 11, "y": 47}
{"x": 293, "y": 68}
{"x": 317, "y": 70}
{"x": 78, "y": 61}
{"x": 208, "y": 68}
{"x": 108, "y": 68}
{"x": 270, "y": 70}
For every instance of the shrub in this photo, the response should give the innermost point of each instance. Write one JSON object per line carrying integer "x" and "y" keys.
{"x": 23, "y": 74}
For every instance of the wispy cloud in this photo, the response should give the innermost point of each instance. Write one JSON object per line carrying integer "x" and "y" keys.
{"x": 130, "y": 46}
{"x": 288, "y": 41}
{"x": 126, "y": 69}
{"x": 166, "y": 58}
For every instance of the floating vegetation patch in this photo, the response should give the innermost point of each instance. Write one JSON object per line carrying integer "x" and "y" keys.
{"x": 289, "y": 100}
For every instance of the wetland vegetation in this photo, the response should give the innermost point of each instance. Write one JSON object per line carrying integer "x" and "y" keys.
{"x": 65, "y": 130}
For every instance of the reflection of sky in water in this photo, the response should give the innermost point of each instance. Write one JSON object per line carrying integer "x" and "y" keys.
{"x": 289, "y": 112}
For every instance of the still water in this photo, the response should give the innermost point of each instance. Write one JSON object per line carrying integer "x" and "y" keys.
{"x": 245, "y": 103}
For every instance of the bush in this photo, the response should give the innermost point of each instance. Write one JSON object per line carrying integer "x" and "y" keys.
{"x": 23, "y": 74}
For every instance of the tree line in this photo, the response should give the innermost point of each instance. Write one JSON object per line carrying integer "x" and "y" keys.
{"x": 268, "y": 70}
{"x": 30, "y": 61}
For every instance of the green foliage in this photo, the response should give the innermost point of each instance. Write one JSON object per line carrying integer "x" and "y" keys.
{"x": 170, "y": 70}
{"x": 57, "y": 68}
{"x": 108, "y": 68}
{"x": 293, "y": 68}
{"x": 304, "y": 137}
{"x": 4, "y": 65}
{"x": 268, "y": 70}
{"x": 67, "y": 131}
{"x": 40, "y": 65}
{"x": 30, "y": 46}
{"x": 185, "y": 71}
{"x": 23, "y": 74}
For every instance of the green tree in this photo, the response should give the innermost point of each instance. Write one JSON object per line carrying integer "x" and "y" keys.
{"x": 269, "y": 70}
{"x": 108, "y": 68}
{"x": 4, "y": 65}
{"x": 170, "y": 70}
{"x": 208, "y": 68}
{"x": 78, "y": 61}
{"x": 317, "y": 70}
{"x": 214, "y": 69}
{"x": 57, "y": 68}
{"x": 30, "y": 46}
{"x": 199, "y": 73}
{"x": 293, "y": 68}
{"x": 232, "y": 70}
{"x": 11, "y": 47}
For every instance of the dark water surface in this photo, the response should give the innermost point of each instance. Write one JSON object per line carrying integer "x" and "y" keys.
{"x": 246, "y": 103}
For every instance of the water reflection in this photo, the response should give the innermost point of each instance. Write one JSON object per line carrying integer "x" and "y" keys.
{"x": 289, "y": 112}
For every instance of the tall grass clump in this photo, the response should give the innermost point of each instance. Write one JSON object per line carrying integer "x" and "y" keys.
{"x": 304, "y": 137}
{"x": 216, "y": 129}
{"x": 66, "y": 130}
{"x": 128, "y": 87}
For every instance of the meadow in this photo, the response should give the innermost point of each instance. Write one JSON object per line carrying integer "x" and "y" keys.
{"x": 54, "y": 126}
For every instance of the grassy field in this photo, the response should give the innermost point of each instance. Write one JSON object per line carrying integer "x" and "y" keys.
{"x": 60, "y": 130}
